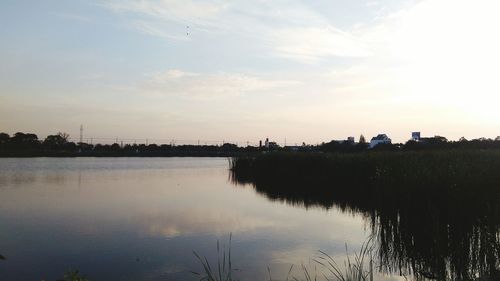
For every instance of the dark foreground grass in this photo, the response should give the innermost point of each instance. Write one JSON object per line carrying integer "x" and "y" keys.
{"x": 356, "y": 267}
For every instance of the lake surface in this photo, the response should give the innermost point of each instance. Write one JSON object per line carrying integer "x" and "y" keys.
{"x": 141, "y": 218}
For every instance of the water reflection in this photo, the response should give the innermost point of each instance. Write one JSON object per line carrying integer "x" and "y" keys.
{"x": 139, "y": 219}
{"x": 450, "y": 238}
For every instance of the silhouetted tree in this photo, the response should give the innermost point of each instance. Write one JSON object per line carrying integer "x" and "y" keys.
{"x": 4, "y": 138}
{"x": 22, "y": 138}
{"x": 385, "y": 147}
{"x": 115, "y": 147}
{"x": 362, "y": 139}
{"x": 56, "y": 141}
{"x": 153, "y": 147}
{"x": 412, "y": 145}
{"x": 229, "y": 147}
{"x": 22, "y": 141}
{"x": 361, "y": 146}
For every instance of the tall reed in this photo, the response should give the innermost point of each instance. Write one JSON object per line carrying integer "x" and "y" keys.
{"x": 358, "y": 268}
{"x": 223, "y": 270}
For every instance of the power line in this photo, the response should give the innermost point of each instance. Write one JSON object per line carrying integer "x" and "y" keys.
{"x": 173, "y": 141}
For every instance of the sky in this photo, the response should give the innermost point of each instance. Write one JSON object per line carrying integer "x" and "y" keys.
{"x": 238, "y": 71}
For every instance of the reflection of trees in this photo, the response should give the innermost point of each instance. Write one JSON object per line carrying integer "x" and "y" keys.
{"x": 452, "y": 237}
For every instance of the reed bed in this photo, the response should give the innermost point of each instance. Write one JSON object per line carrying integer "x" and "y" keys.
{"x": 443, "y": 175}
{"x": 434, "y": 213}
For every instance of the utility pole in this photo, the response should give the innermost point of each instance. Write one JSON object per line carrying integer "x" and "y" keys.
{"x": 81, "y": 134}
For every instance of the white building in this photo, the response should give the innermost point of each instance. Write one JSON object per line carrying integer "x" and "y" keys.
{"x": 415, "y": 136}
{"x": 380, "y": 139}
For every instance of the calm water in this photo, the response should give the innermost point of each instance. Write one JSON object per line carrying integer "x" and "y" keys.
{"x": 141, "y": 218}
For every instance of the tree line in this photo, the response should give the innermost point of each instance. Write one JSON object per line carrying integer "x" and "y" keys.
{"x": 28, "y": 144}
{"x": 431, "y": 143}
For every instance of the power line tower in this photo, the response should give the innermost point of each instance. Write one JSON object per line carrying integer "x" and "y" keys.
{"x": 81, "y": 134}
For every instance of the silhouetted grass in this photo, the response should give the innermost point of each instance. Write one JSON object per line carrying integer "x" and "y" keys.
{"x": 434, "y": 213}
{"x": 223, "y": 270}
{"x": 354, "y": 268}
{"x": 454, "y": 175}
{"x": 352, "y": 271}
{"x": 74, "y": 275}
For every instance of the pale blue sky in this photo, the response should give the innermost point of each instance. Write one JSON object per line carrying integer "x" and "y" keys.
{"x": 301, "y": 70}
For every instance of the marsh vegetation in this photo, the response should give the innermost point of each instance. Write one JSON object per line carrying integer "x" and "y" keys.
{"x": 434, "y": 214}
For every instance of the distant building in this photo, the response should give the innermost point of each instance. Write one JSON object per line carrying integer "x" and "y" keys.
{"x": 415, "y": 136}
{"x": 273, "y": 145}
{"x": 380, "y": 139}
{"x": 293, "y": 148}
{"x": 349, "y": 140}
{"x": 268, "y": 145}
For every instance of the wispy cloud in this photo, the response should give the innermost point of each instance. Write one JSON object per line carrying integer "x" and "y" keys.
{"x": 285, "y": 29}
{"x": 154, "y": 30}
{"x": 312, "y": 43}
{"x": 202, "y": 12}
{"x": 74, "y": 17}
{"x": 191, "y": 85}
